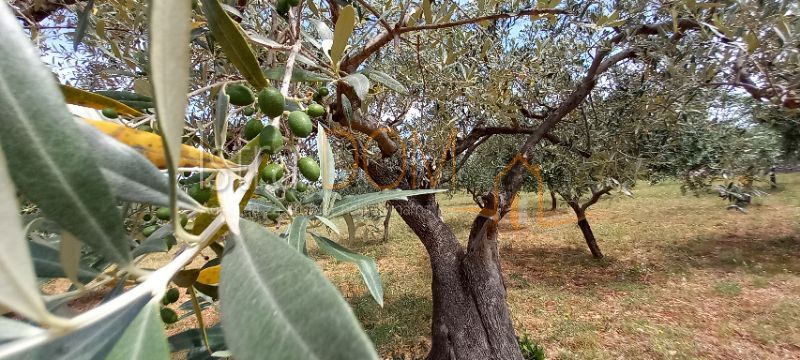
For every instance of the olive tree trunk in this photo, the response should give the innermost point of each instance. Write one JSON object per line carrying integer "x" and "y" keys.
{"x": 586, "y": 230}
{"x": 471, "y": 319}
{"x": 553, "y": 201}
{"x": 583, "y": 223}
{"x": 386, "y": 221}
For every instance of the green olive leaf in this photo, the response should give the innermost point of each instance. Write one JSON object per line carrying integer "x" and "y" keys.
{"x": 144, "y": 339}
{"x": 360, "y": 84}
{"x": 326, "y": 161}
{"x": 386, "y": 80}
{"x": 51, "y": 164}
{"x": 301, "y": 314}
{"x": 221, "y": 118}
{"x": 297, "y": 234}
{"x": 342, "y": 32}
{"x": 234, "y": 43}
{"x": 366, "y": 265}
{"x": 18, "y": 287}
{"x": 170, "y": 32}
{"x": 70, "y": 256}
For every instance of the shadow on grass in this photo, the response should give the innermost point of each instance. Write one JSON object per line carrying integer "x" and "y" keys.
{"x": 573, "y": 268}
{"x": 404, "y": 316}
{"x": 732, "y": 252}
{"x": 566, "y": 266}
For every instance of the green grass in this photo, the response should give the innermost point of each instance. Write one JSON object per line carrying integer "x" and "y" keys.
{"x": 683, "y": 278}
{"x": 728, "y": 288}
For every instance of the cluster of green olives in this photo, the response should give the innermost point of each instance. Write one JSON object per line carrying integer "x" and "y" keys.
{"x": 162, "y": 213}
{"x": 168, "y": 315}
{"x": 271, "y": 103}
{"x": 196, "y": 190}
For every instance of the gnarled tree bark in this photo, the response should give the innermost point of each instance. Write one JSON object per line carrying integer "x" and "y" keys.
{"x": 583, "y": 223}
{"x": 471, "y": 319}
{"x": 586, "y": 230}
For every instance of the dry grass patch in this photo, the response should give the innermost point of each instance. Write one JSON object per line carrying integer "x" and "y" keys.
{"x": 683, "y": 278}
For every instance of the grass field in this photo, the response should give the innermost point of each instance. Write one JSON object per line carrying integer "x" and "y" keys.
{"x": 683, "y": 278}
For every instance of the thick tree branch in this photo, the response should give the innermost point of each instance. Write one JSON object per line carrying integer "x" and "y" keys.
{"x": 334, "y": 9}
{"x": 469, "y": 152}
{"x": 374, "y": 12}
{"x": 498, "y": 130}
{"x": 530, "y": 115}
{"x": 30, "y": 10}
{"x": 351, "y": 63}
{"x": 596, "y": 194}
{"x": 482, "y": 18}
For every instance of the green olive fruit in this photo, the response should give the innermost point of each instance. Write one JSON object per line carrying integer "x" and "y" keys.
{"x": 170, "y": 241}
{"x": 271, "y": 102}
{"x": 168, "y": 316}
{"x": 301, "y": 187}
{"x": 300, "y": 124}
{"x": 272, "y": 173}
{"x": 172, "y": 295}
{"x": 248, "y": 111}
{"x": 252, "y": 128}
{"x": 273, "y": 215}
{"x": 199, "y": 193}
{"x": 282, "y": 6}
{"x": 149, "y": 230}
{"x": 291, "y": 195}
{"x": 184, "y": 220}
{"x": 323, "y": 91}
{"x": 163, "y": 213}
{"x": 271, "y": 139}
{"x": 315, "y": 110}
{"x": 110, "y": 113}
{"x": 309, "y": 168}
{"x": 239, "y": 95}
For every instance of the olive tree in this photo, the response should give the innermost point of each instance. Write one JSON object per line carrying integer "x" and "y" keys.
{"x": 411, "y": 90}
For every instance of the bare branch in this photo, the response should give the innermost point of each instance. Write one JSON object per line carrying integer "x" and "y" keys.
{"x": 496, "y": 130}
{"x": 482, "y": 18}
{"x": 351, "y": 63}
{"x": 377, "y": 15}
{"x": 38, "y": 12}
{"x": 596, "y": 194}
{"x": 530, "y": 115}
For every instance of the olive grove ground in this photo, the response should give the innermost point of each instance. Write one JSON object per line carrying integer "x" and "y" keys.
{"x": 683, "y": 279}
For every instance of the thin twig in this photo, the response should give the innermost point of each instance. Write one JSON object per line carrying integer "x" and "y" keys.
{"x": 377, "y": 15}
{"x": 209, "y": 87}
{"x": 481, "y": 18}
{"x": 287, "y": 75}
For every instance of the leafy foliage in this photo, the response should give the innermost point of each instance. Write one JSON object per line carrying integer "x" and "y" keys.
{"x": 430, "y": 92}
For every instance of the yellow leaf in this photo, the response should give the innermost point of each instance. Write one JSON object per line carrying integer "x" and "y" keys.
{"x": 209, "y": 275}
{"x": 151, "y": 146}
{"x": 95, "y": 101}
{"x": 752, "y": 41}
{"x": 341, "y": 33}
{"x": 426, "y": 10}
{"x": 202, "y": 221}
{"x": 415, "y": 16}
